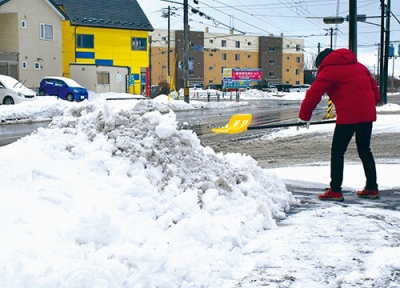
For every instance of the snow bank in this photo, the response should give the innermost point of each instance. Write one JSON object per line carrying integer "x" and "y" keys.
{"x": 112, "y": 198}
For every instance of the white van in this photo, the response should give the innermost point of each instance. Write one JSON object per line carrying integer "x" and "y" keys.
{"x": 299, "y": 88}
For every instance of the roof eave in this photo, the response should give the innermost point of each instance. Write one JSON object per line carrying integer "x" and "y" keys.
{"x": 77, "y": 23}
{"x": 56, "y": 9}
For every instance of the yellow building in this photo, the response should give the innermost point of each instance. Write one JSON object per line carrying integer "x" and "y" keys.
{"x": 280, "y": 59}
{"x": 293, "y": 61}
{"x": 107, "y": 36}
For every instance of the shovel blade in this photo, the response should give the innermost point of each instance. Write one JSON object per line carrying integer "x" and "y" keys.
{"x": 237, "y": 124}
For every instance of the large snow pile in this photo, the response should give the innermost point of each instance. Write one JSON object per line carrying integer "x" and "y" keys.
{"x": 114, "y": 198}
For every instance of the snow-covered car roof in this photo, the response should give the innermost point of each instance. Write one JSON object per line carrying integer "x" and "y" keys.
{"x": 70, "y": 82}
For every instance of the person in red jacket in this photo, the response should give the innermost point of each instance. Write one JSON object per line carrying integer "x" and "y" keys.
{"x": 355, "y": 95}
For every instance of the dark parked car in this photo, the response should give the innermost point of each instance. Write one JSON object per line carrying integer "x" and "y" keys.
{"x": 215, "y": 86}
{"x": 64, "y": 88}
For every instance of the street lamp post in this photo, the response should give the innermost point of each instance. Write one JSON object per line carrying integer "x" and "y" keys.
{"x": 384, "y": 45}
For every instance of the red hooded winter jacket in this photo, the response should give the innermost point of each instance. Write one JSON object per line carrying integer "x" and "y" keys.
{"x": 348, "y": 84}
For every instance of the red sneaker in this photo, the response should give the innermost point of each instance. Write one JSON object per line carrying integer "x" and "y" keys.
{"x": 371, "y": 194}
{"x": 330, "y": 195}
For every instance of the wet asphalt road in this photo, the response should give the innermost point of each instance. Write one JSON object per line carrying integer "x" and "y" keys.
{"x": 264, "y": 112}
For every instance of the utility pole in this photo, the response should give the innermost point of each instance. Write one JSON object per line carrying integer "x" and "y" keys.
{"x": 384, "y": 50}
{"x": 169, "y": 45}
{"x": 148, "y": 89}
{"x": 353, "y": 26}
{"x": 186, "y": 43}
{"x": 386, "y": 62}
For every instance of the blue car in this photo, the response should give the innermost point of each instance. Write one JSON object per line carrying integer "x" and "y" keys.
{"x": 64, "y": 88}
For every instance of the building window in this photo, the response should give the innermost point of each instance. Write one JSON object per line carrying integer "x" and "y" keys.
{"x": 210, "y": 68}
{"x": 211, "y": 41}
{"x": 211, "y": 54}
{"x": 297, "y": 71}
{"x": 237, "y": 44}
{"x": 287, "y": 58}
{"x": 223, "y": 43}
{"x": 271, "y": 61}
{"x": 46, "y": 32}
{"x": 287, "y": 46}
{"x": 84, "y": 41}
{"x": 163, "y": 53}
{"x": 287, "y": 69}
{"x": 271, "y": 74}
{"x": 298, "y": 47}
{"x": 297, "y": 59}
{"x": 248, "y": 43}
{"x": 271, "y": 49}
{"x": 248, "y": 56}
{"x": 164, "y": 38}
{"x": 164, "y": 67}
{"x": 191, "y": 72}
{"x": 223, "y": 56}
{"x": 237, "y": 57}
{"x": 23, "y": 24}
{"x": 139, "y": 44}
{"x": 24, "y": 64}
{"x": 103, "y": 78}
{"x": 36, "y": 66}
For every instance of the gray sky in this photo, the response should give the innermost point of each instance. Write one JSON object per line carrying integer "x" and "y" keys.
{"x": 294, "y": 18}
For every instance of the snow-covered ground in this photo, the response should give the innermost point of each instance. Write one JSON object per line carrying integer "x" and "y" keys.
{"x": 111, "y": 194}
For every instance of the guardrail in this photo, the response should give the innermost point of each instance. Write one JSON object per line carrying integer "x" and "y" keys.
{"x": 209, "y": 95}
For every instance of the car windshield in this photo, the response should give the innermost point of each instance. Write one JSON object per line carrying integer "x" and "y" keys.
{"x": 12, "y": 83}
{"x": 71, "y": 83}
{"x": 68, "y": 81}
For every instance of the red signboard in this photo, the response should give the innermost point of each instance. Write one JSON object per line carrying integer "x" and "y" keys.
{"x": 251, "y": 74}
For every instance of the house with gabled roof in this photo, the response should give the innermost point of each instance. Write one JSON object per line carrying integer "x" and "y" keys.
{"x": 106, "y": 44}
{"x": 31, "y": 39}
{"x": 103, "y": 43}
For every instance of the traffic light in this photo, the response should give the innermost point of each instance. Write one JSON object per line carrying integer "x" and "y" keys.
{"x": 391, "y": 51}
{"x": 333, "y": 20}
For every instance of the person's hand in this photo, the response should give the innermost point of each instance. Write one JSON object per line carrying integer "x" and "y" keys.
{"x": 302, "y": 122}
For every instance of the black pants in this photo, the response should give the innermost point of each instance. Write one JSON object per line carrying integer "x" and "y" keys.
{"x": 341, "y": 139}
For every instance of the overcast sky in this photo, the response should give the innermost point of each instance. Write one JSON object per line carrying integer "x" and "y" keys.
{"x": 294, "y": 18}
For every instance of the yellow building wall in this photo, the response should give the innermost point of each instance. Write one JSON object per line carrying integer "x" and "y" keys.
{"x": 159, "y": 63}
{"x": 290, "y": 64}
{"x": 110, "y": 45}
{"x": 213, "y": 63}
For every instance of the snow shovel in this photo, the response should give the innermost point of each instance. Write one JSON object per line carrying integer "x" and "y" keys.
{"x": 240, "y": 122}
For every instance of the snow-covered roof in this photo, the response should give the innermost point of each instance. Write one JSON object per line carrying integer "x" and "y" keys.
{"x": 124, "y": 14}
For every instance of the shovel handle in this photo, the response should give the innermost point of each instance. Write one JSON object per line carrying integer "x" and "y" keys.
{"x": 289, "y": 124}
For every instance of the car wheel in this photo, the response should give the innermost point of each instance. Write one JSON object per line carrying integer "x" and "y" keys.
{"x": 42, "y": 93}
{"x": 70, "y": 97}
{"x": 8, "y": 100}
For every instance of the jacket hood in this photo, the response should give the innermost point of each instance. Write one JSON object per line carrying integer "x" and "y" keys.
{"x": 341, "y": 56}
